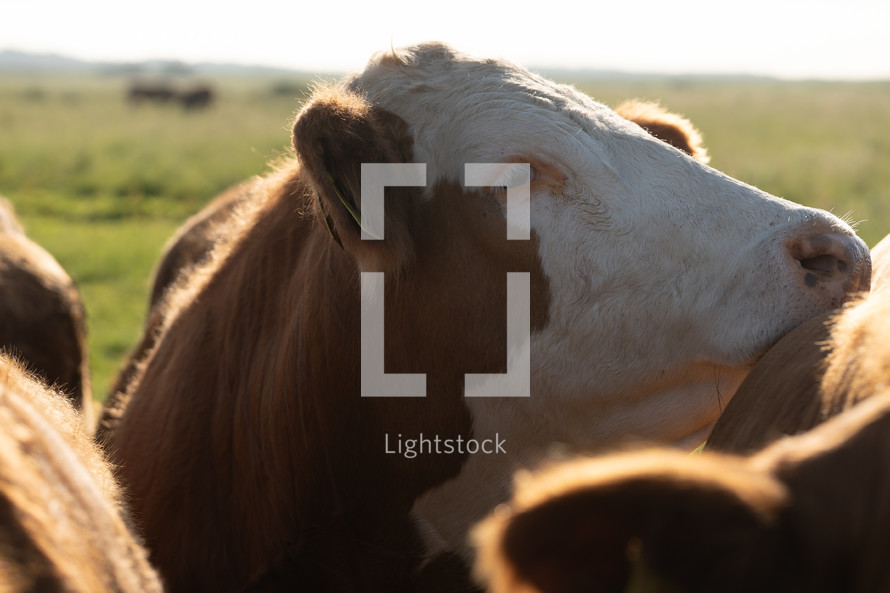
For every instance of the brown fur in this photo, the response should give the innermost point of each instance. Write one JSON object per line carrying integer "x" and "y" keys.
{"x": 817, "y": 371}
{"x": 669, "y": 127}
{"x": 810, "y": 513}
{"x": 43, "y": 315}
{"x": 61, "y": 526}
{"x": 266, "y": 467}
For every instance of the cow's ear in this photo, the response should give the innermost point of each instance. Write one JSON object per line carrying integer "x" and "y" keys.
{"x": 661, "y": 524}
{"x": 674, "y": 129}
{"x": 334, "y": 134}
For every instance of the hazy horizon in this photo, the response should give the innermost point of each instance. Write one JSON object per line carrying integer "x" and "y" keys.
{"x": 793, "y": 39}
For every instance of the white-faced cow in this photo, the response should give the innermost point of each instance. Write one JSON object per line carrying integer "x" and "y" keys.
{"x": 42, "y": 317}
{"x": 252, "y": 458}
{"x": 193, "y": 243}
{"x": 62, "y": 527}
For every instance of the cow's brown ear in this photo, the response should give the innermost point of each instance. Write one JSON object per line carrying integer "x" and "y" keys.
{"x": 674, "y": 129}
{"x": 654, "y": 523}
{"x": 334, "y": 134}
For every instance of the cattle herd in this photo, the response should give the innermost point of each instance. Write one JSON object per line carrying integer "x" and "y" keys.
{"x": 665, "y": 304}
{"x": 198, "y": 96}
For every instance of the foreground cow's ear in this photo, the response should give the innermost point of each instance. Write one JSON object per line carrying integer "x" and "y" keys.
{"x": 334, "y": 134}
{"x": 674, "y": 129}
{"x": 654, "y": 522}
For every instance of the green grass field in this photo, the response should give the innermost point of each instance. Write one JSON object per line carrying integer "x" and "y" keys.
{"x": 102, "y": 185}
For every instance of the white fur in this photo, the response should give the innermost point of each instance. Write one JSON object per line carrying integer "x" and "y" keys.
{"x": 667, "y": 277}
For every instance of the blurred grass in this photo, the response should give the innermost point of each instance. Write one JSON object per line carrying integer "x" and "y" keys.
{"x": 102, "y": 184}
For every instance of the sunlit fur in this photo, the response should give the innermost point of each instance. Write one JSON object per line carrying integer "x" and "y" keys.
{"x": 62, "y": 525}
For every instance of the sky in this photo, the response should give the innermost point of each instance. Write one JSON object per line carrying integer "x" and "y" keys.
{"x": 837, "y": 39}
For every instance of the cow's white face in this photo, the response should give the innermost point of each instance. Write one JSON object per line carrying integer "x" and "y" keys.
{"x": 667, "y": 278}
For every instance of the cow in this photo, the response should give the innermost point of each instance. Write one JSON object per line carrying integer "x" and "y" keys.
{"x": 669, "y": 127}
{"x": 42, "y": 313}
{"x": 805, "y": 379}
{"x": 257, "y": 442}
{"x": 192, "y": 244}
{"x": 155, "y": 92}
{"x": 199, "y": 97}
{"x": 62, "y": 524}
{"x": 807, "y": 513}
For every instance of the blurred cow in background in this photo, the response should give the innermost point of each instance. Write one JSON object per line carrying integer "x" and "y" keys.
{"x": 193, "y": 98}
{"x": 199, "y": 97}
{"x": 42, "y": 317}
{"x": 152, "y": 92}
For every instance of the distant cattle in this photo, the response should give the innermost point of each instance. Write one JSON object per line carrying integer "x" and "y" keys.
{"x": 62, "y": 525}
{"x": 817, "y": 371}
{"x": 808, "y": 513}
{"x": 647, "y": 282}
{"x": 191, "y": 98}
{"x": 42, "y": 317}
{"x": 152, "y": 92}
{"x": 199, "y": 97}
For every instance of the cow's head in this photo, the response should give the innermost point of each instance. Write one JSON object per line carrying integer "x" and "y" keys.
{"x": 655, "y": 280}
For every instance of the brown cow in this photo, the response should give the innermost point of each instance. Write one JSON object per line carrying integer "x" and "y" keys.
{"x": 43, "y": 318}
{"x": 812, "y": 374}
{"x": 190, "y": 247}
{"x": 61, "y": 520}
{"x": 267, "y": 440}
{"x": 810, "y": 513}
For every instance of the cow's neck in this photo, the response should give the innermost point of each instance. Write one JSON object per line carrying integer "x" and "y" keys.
{"x": 544, "y": 428}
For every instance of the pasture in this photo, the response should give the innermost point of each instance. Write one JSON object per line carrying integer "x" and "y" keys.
{"x": 102, "y": 184}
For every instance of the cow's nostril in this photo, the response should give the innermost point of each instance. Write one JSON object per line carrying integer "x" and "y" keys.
{"x": 825, "y": 265}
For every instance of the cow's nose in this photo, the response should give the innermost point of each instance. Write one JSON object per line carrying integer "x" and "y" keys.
{"x": 833, "y": 264}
